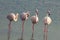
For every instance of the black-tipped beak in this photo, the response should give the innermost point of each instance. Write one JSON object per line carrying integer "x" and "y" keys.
{"x": 49, "y": 14}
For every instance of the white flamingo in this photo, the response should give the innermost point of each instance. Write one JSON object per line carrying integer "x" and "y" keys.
{"x": 47, "y": 21}
{"x": 24, "y": 16}
{"x": 34, "y": 20}
{"x": 11, "y": 17}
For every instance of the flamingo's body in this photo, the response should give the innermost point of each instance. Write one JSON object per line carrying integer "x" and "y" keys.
{"x": 11, "y": 17}
{"x": 34, "y": 20}
{"x": 24, "y": 16}
{"x": 47, "y": 21}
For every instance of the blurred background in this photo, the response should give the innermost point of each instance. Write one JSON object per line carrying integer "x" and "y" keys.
{"x": 19, "y": 6}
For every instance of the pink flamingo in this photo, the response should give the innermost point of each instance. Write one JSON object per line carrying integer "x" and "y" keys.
{"x": 34, "y": 20}
{"x": 24, "y": 16}
{"x": 47, "y": 21}
{"x": 11, "y": 17}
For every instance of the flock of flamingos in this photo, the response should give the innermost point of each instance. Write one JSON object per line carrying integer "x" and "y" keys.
{"x": 24, "y": 16}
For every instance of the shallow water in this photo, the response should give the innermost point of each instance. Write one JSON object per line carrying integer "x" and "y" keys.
{"x": 9, "y": 6}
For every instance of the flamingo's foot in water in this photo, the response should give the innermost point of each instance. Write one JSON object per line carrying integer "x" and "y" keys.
{"x": 32, "y": 38}
{"x": 20, "y": 39}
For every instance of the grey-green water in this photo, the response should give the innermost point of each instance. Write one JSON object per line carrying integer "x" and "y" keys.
{"x": 9, "y": 6}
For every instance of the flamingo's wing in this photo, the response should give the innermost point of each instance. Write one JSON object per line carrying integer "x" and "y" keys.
{"x": 34, "y": 19}
{"x": 23, "y": 17}
{"x": 47, "y": 20}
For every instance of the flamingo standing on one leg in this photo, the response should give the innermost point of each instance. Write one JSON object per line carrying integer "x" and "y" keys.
{"x": 11, "y": 17}
{"x": 24, "y": 16}
{"x": 47, "y": 21}
{"x": 34, "y": 20}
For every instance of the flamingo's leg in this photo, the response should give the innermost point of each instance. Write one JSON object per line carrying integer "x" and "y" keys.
{"x": 32, "y": 32}
{"x": 9, "y": 30}
{"x": 22, "y": 30}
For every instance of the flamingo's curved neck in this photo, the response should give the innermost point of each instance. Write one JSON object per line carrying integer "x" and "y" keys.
{"x": 16, "y": 17}
{"x": 36, "y": 14}
{"x": 48, "y": 14}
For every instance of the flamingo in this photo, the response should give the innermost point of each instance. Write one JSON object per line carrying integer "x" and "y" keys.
{"x": 24, "y": 16}
{"x": 47, "y": 21}
{"x": 11, "y": 17}
{"x": 34, "y": 20}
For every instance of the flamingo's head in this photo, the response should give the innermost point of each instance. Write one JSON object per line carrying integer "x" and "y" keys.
{"x": 49, "y": 12}
{"x": 28, "y": 13}
{"x": 17, "y": 14}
